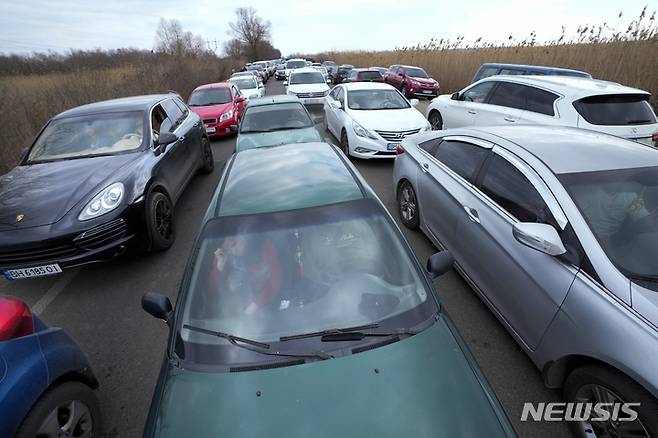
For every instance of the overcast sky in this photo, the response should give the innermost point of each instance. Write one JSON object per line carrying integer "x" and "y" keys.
{"x": 307, "y": 26}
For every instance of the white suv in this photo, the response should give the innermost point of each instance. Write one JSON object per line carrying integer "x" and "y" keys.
{"x": 308, "y": 84}
{"x": 577, "y": 102}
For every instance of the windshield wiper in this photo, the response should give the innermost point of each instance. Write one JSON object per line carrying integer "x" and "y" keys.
{"x": 256, "y": 346}
{"x": 336, "y": 331}
{"x": 647, "y": 278}
{"x": 635, "y": 122}
{"x": 282, "y": 128}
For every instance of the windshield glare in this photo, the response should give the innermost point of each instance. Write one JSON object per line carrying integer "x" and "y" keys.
{"x": 306, "y": 78}
{"x": 415, "y": 72}
{"x": 295, "y": 64}
{"x": 301, "y": 272}
{"x": 210, "y": 96}
{"x": 98, "y": 134}
{"x": 275, "y": 117}
{"x": 621, "y": 207}
{"x": 375, "y": 100}
{"x": 244, "y": 83}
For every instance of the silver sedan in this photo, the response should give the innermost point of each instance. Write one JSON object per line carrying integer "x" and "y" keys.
{"x": 556, "y": 229}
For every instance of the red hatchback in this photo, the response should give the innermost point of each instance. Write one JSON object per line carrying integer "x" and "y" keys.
{"x": 219, "y": 105}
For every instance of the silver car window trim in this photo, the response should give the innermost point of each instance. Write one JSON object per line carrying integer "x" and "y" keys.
{"x": 537, "y": 182}
{"x": 472, "y": 140}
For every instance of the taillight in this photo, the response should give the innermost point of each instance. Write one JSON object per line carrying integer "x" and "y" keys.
{"x": 399, "y": 150}
{"x": 15, "y": 319}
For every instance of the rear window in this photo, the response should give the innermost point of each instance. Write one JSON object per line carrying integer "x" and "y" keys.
{"x": 365, "y": 75}
{"x": 616, "y": 109}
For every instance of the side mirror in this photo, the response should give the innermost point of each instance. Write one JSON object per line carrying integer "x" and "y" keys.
{"x": 239, "y": 99}
{"x": 455, "y": 96}
{"x": 285, "y": 83}
{"x": 261, "y": 85}
{"x": 439, "y": 263}
{"x": 158, "y": 306}
{"x": 335, "y": 104}
{"x": 165, "y": 138}
{"x": 542, "y": 237}
{"x": 413, "y": 102}
{"x": 233, "y": 128}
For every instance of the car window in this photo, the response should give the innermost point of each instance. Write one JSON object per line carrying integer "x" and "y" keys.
{"x": 415, "y": 72}
{"x": 334, "y": 93}
{"x": 376, "y": 99}
{"x": 486, "y": 72}
{"x": 514, "y": 193}
{"x": 83, "y": 136}
{"x": 511, "y": 71}
{"x": 174, "y": 114}
{"x": 268, "y": 118}
{"x": 210, "y": 96}
{"x": 463, "y": 158}
{"x": 430, "y": 145}
{"x": 314, "y": 77}
{"x": 509, "y": 95}
{"x": 236, "y": 91}
{"x": 340, "y": 96}
{"x": 478, "y": 93}
{"x": 181, "y": 105}
{"x": 540, "y": 101}
{"x": 617, "y": 109}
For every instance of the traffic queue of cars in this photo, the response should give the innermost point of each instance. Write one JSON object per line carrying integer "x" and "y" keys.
{"x": 302, "y": 292}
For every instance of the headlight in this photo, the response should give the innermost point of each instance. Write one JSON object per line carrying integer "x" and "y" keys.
{"x": 292, "y": 93}
{"x": 326, "y": 93}
{"x": 227, "y": 115}
{"x": 107, "y": 200}
{"x": 363, "y": 132}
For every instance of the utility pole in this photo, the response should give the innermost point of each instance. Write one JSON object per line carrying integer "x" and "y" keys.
{"x": 212, "y": 45}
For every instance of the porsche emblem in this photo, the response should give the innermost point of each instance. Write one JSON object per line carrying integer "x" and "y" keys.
{"x": 20, "y": 217}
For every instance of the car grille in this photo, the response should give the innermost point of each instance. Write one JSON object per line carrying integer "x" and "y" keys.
{"x": 393, "y": 136}
{"x": 209, "y": 121}
{"x": 102, "y": 235}
{"x": 62, "y": 249}
{"x": 40, "y": 252}
{"x": 307, "y": 95}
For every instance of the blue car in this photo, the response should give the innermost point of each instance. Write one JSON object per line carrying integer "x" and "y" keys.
{"x": 46, "y": 383}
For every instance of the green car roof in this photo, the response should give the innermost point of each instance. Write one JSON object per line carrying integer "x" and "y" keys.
{"x": 273, "y": 100}
{"x": 286, "y": 177}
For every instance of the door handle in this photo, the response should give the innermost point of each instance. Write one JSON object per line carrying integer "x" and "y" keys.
{"x": 510, "y": 119}
{"x": 472, "y": 112}
{"x": 472, "y": 214}
{"x": 425, "y": 167}
{"x": 181, "y": 138}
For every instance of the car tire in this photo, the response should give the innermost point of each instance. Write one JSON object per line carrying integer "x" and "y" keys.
{"x": 404, "y": 91}
{"x": 611, "y": 383}
{"x": 160, "y": 221}
{"x": 57, "y": 403}
{"x": 436, "y": 120}
{"x": 207, "y": 156}
{"x": 345, "y": 143}
{"x": 408, "y": 206}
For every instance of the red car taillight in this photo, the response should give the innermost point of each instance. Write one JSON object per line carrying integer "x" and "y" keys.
{"x": 399, "y": 150}
{"x": 15, "y": 319}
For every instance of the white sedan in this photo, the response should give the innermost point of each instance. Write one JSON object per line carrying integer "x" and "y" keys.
{"x": 370, "y": 119}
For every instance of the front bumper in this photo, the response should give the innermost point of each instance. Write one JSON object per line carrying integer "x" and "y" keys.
{"x": 424, "y": 92}
{"x": 367, "y": 148}
{"x": 72, "y": 243}
{"x": 279, "y": 76}
{"x": 220, "y": 129}
{"x": 313, "y": 100}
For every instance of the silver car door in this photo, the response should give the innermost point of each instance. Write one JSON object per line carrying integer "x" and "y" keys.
{"x": 447, "y": 169}
{"x": 524, "y": 286}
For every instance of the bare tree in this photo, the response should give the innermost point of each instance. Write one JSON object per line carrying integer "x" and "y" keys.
{"x": 250, "y": 30}
{"x": 171, "y": 39}
{"x": 234, "y": 49}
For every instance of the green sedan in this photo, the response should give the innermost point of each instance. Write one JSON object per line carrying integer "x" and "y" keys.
{"x": 273, "y": 121}
{"x": 303, "y": 312}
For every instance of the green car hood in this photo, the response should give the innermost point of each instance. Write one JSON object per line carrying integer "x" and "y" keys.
{"x": 422, "y": 386}
{"x": 275, "y": 138}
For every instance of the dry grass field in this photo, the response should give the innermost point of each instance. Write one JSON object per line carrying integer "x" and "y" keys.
{"x": 27, "y": 102}
{"x": 633, "y": 63}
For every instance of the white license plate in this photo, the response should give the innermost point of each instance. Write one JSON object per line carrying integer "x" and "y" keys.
{"x": 210, "y": 130}
{"x": 35, "y": 271}
{"x": 392, "y": 146}
{"x": 427, "y": 91}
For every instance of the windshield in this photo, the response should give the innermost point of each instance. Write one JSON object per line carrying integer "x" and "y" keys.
{"x": 415, "y": 72}
{"x": 244, "y": 83}
{"x": 621, "y": 207}
{"x": 295, "y": 64}
{"x": 630, "y": 109}
{"x": 314, "y": 77}
{"x": 83, "y": 136}
{"x": 268, "y": 276}
{"x": 344, "y": 69}
{"x": 210, "y": 96}
{"x": 276, "y": 117}
{"x": 369, "y": 75}
{"x": 329, "y": 63}
{"x": 375, "y": 100}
